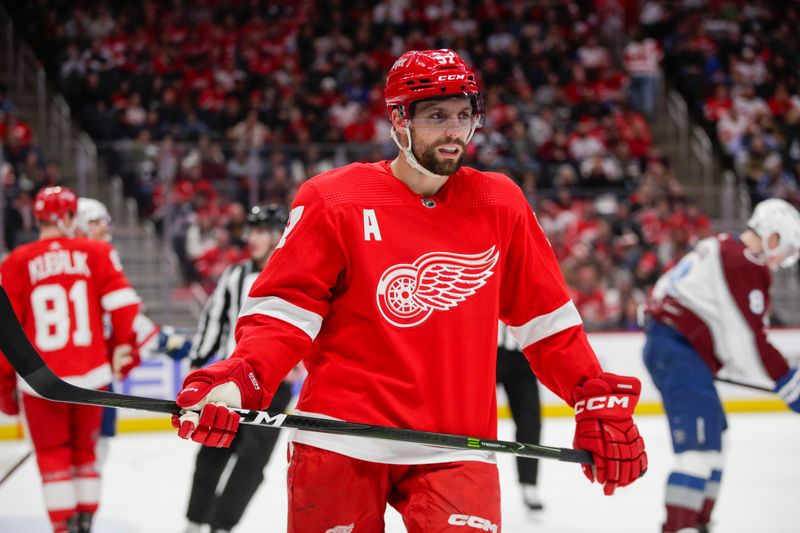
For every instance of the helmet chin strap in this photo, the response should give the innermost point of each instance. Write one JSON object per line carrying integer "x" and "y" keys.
{"x": 410, "y": 155}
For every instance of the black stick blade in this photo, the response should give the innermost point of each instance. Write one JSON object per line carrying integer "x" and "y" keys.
{"x": 14, "y": 343}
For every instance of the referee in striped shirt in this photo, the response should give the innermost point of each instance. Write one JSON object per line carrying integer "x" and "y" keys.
{"x": 522, "y": 389}
{"x": 251, "y": 448}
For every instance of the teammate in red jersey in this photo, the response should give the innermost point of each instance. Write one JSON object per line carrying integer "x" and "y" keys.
{"x": 93, "y": 221}
{"x": 388, "y": 283}
{"x": 60, "y": 287}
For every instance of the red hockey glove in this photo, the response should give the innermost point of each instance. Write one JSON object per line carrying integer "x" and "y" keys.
{"x": 226, "y": 383}
{"x": 9, "y": 401}
{"x": 603, "y": 411}
{"x": 124, "y": 359}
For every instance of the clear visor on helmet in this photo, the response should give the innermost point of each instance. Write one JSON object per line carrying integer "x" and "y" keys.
{"x": 451, "y": 112}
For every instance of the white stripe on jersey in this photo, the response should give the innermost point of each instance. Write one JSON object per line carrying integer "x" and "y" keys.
{"x": 544, "y": 326}
{"x": 504, "y": 337}
{"x": 118, "y": 299}
{"x": 310, "y": 323}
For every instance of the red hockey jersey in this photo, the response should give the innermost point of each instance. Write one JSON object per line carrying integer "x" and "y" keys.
{"x": 392, "y": 300}
{"x": 60, "y": 289}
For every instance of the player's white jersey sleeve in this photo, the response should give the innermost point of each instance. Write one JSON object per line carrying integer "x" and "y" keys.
{"x": 725, "y": 289}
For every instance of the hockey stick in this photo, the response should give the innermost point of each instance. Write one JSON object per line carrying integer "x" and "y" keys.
{"x": 15, "y": 467}
{"x": 743, "y": 384}
{"x": 30, "y": 366}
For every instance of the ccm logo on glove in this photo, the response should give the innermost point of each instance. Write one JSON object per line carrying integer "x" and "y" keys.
{"x": 254, "y": 381}
{"x": 601, "y": 402}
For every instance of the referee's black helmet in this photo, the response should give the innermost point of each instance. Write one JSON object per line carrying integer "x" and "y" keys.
{"x": 272, "y": 216}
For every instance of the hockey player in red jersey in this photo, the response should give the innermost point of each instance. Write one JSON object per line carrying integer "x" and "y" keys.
{"x": 60, "y": 287}
{"x": 708, "y": 314}
{"x": 388, "y": 283}
{"x": 93, "y": 221}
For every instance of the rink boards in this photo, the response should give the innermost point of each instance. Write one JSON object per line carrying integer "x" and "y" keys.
{"x": 619, "y": 352}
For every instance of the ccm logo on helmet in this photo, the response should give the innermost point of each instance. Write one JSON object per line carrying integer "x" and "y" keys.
{"x": 472, "y": 521}
{"x": 451, "y": 77}
{"x": 601, "y": 402}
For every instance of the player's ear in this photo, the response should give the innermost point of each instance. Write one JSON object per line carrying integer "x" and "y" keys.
{"x": 398, "y": 121}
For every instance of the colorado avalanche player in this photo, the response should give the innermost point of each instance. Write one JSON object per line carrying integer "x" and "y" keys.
{"x": 60, "y": 288}
{"x": 388, "y": 283}
{"x": 708, "y": 314}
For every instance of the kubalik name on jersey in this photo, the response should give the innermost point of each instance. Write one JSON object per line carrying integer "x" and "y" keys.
{"x": 56, "y": 262}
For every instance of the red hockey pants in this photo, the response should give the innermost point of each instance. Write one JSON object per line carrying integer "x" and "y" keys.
{"x": 333, "y": 493}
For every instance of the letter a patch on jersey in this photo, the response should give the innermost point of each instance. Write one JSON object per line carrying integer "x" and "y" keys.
{"x": 371, "y": 229}
{"x": 407, "y": 294}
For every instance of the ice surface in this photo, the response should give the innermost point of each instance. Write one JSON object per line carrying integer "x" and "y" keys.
{"x": 146, "y": 485}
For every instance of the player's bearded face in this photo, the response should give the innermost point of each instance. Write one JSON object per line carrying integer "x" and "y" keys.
{"x": 439, "y": 132}
{"x": 431, "y": 155}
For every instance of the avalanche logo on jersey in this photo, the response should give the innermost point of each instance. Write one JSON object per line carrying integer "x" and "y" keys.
{"x": 437, "y": 281}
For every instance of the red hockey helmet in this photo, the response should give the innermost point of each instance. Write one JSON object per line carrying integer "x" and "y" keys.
{"x": 422, "y": 74}
{"x": 52, "y": 203}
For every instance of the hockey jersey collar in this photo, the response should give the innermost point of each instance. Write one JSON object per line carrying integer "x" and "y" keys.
{"x": 405, "y": 192}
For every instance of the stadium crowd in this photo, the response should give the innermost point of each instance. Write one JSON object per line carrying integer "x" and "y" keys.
{"x": 23, "y": 171}
{"x": 204, "y": 107}
{"x": 738, "y": 66}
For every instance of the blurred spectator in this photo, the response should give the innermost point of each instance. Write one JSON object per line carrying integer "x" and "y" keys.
{"x": 211, "y": 263}
{"x": 600, "y": 172}
{"x": 6, "y": 105}
{"x": 776, "y": 182}
{"x": 250, "y": 132}
{"x": 19, "y": 224}
{"x": 584, "y": 141}
{"x": 589, "y": 298}
{"x": 647, "y": 271}
{"x": 200, "y": 234}
{"x": 731, "y": 129}
{"x": 718, "y": 104}
{"x": 622, "y": 302}
{"x": 642, "y": 57}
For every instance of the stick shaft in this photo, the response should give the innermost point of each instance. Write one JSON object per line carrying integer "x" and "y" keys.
{"x": 15, "y": 467}
{"x": 31, "y": 367}
{"x": 743, "y": 384}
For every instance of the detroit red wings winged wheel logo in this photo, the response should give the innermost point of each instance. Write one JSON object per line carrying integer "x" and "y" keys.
{"x": 437, "y": 281}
